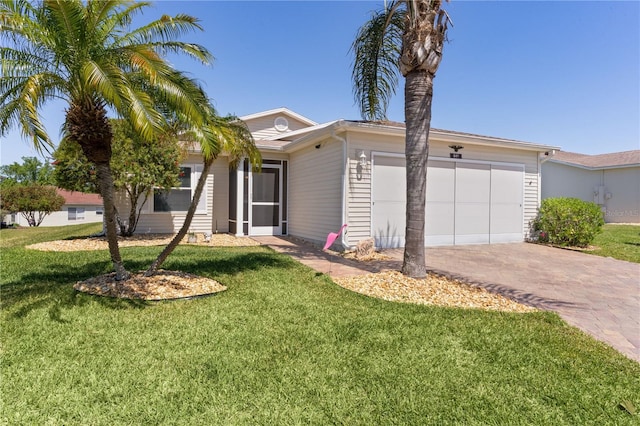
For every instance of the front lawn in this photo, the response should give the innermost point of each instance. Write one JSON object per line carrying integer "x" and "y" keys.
{"x": 619, "y": 241}
{"x": 283, "y": 345}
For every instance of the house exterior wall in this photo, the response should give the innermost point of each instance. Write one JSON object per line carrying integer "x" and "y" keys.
{"x": 61, "y": 218}
{"x": 315, "y": 179}
{"x": 203, "y": 221}
{"x": 359, "y": 179}
{"x": 560, "y": 180}
{"x": 623, "y": 206}
{"x": 623, "y": 185}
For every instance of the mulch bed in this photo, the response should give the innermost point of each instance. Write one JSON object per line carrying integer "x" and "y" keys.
{"x": 433, "y": 290}
{"x": 163, "y": 285}
{"x": 167, "y": 285}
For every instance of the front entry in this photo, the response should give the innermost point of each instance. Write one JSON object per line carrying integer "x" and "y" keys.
{"x": 265, "y": 200}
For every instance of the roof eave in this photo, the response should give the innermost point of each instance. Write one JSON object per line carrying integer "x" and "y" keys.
{"x": 435, "y": 134}
{"x": 594, "y": 168}
{"x": 489, "y": 141}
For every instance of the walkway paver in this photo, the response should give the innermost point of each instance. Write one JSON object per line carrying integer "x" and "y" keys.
{"x": 599, "y": 295}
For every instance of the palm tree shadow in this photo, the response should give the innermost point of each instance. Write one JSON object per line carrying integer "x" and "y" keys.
{"x": 53, "y": 289}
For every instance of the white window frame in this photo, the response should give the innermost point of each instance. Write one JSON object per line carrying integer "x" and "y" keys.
{"x": 78, "y": 213}
{"x": 196, "y": 171}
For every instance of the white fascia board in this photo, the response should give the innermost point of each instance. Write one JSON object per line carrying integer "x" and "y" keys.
{"x": 299, "y": 132}
{"x": 318, "y": 135}
{"x": 284, "y": 111}
{"x": 488, "y": 141}
{"x": 269, "y": 148}
{"x": 436, "y": 135}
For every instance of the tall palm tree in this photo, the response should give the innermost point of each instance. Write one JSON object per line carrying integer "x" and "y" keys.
{"x": 406, "y": 37}
{"x": 86, "y": 53}
{"x": 228, "y": 135}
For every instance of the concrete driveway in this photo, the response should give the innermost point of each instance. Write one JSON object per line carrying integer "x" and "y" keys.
{"x": 599, "y": 295}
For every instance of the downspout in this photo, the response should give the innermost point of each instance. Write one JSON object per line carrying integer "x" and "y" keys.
{"x": 343, "y": 192}
{"x": 543, "y": 159}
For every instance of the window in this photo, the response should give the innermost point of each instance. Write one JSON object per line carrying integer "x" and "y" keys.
{"x": 75, "y": 213}
{"x": 99, "y": 211}
{"x": 178, "y": 198}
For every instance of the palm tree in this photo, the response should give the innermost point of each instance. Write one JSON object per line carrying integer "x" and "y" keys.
{"x": 85, "y": 53}
{"x": 227, "y": 135}
{"x": 406, "y": 37}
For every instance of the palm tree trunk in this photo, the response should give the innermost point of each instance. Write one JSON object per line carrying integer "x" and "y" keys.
{"x": 105, "y": 183}
{"x": 418, "y": 96}
{"x": 87, "y": 123}
{"x": 187, "y": 221}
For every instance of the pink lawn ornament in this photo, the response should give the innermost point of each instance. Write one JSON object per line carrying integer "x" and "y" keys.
{"x": 333, "y": 236}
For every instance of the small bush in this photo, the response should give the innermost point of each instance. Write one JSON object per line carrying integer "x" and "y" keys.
{"x": 568, "y": 222}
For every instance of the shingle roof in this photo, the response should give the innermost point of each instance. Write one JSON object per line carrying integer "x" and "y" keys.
{"x": 614, "y": 159}
{"x": 79, "y": 198}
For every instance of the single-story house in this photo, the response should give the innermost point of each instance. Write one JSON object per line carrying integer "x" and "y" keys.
{"x": 78, "y": 208}
{"x": 316, "y": 177}
{"x": 610, "y": 180}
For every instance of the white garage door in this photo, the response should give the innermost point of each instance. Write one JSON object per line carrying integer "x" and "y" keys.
{"x": 388, "y": 201}
{"x": 467, "y": 203}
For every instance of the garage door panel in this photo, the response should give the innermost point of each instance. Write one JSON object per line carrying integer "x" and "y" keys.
{"x": 441, "y": 182}
{"x": 473, "y": 183}
{"x": 439, "y": 226}
{"x": 473, "y": 192}
{"x": 467, "y": 203}
{"x": 439, "y": 216}
{"x": 507, "y": 203}
{"x": 472, "y": 223}
{"x": 388, "y": 199}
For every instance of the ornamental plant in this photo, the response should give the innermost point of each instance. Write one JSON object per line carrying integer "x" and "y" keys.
{"x": 568, "y": 222}
{"x": 33, "y": 201}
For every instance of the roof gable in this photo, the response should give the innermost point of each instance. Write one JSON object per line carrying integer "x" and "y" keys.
{"x": 275, "y": 122}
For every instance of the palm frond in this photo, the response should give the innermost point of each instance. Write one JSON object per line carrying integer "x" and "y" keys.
{"x": 164, "y": 29}
{"x": 66, "y": 24}
{"x": 376, "y": 50}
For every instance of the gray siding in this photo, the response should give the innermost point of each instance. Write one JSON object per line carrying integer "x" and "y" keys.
{"x": 622, "y": 205}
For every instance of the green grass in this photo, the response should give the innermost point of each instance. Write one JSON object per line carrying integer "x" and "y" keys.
{"x": 619, "y": 241}
{"x": 283, "y": 345}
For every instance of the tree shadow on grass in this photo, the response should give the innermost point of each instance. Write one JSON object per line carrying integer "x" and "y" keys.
{"x": 53, "y": 289}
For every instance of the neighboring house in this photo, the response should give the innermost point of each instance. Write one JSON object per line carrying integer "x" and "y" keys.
{"x": 78, "y": 208}
{"x": 315, "y": 177}
{"x": 610, "y": 180}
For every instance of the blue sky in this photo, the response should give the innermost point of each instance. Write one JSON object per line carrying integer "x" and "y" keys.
{"x": 557, "y": 73}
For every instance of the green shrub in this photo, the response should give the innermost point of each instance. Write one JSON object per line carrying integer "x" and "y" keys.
{"x": 568, "y": 222}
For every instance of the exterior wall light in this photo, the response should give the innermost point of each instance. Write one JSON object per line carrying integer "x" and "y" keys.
{"x": 363, "y": 158}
